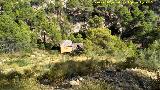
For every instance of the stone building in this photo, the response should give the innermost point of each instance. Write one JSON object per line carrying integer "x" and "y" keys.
{"x": 68, "y": 46}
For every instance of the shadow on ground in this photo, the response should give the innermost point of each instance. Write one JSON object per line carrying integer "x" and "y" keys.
{"x": 120, "y": 79}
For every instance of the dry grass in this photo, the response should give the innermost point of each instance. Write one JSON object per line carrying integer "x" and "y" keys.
{"x": 39, "y": 60}
{"x": 144, "y": 73}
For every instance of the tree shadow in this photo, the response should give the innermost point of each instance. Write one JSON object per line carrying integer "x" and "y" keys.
{"x": 121, "y": 79}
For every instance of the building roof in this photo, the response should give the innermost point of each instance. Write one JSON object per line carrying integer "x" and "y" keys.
{"x": 65, "y": 43}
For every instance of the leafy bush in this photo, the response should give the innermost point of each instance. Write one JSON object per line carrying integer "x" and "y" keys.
{"x": 95, "y": 85}
{"x": 101, "y": 40}
{"x": 61, "y": 71}
{"x": 150, "y": 57}
{"x": 23, "y": 84}
{"x": 13, "y": 36}
{"x": 129, "y": 63}
{"x": 96, "y": 22}
{"x": 13, "y": 74}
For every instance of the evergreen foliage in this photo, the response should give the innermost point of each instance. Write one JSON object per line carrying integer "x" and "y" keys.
{"x": 23, "y": 23}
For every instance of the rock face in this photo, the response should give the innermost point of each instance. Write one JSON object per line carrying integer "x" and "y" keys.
{"x": 77, "y": 27}
{"x": 74, "y": 82}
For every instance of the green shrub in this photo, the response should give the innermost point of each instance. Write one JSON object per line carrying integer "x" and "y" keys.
{"x": 101, "y": 41}
{"x": 13, "y": 74}
{"x": 94, "y": 85}
{"x": 23, "y": 84}
{"x": 130, "y": 62}
{"x": 14, "y": 36}
{"x": 96, "y": 22}
{"x": 61, "y": 71}
{"x": 150, "y": 57}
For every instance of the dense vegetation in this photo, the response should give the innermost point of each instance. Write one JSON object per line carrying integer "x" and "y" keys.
{"x": 128, "y": 32}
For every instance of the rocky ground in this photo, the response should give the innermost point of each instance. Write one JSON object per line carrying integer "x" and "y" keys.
{"x": 129, "y": 79}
